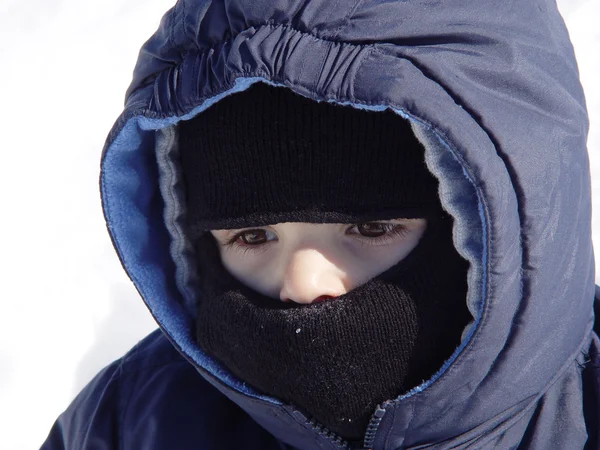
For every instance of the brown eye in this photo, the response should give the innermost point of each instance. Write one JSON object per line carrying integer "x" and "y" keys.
{"x": 372, "y": 229}
{"x": 253, "y": 237}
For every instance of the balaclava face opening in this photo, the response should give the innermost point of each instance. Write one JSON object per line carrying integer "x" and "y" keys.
{"x": 267, "y": 156}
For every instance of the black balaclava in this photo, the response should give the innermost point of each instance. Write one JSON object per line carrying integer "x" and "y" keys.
{"x": 268, "y": 155}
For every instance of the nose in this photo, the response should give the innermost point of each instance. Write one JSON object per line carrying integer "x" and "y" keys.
{"x": 310, "y": 277}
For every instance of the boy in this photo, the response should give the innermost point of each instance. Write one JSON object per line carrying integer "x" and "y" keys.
{"x": 265, "y": 150}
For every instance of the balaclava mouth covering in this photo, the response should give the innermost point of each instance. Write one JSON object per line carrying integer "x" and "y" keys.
{"x": 267, "y": 156}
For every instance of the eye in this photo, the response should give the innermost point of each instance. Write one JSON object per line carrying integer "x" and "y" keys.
{"x": 378, "y": 233}
{"x": 252, "y": 241}
{"x": 372, "y": 229}
{"x": 253, "y": 237}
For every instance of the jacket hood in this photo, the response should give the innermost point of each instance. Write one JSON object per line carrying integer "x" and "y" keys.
{"x": 492, "y": 91}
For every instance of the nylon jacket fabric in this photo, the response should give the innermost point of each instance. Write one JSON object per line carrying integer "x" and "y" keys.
{"x": 492, "y": 91}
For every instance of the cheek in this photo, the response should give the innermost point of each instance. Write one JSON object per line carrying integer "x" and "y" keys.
{"x": 252, "y": 271}
{"x": 397, "y": 251}
{"x": 370, "y": 262}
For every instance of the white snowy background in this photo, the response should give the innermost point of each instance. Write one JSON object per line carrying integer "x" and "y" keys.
{"x": 66, "y": 307}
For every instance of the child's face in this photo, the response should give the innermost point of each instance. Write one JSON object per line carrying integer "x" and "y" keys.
{"x": 303, "y": 262}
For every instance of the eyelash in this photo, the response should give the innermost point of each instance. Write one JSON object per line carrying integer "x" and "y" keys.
{"x": 392, "y": 231}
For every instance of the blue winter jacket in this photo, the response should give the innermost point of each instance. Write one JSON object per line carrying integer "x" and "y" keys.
{"x": 492, "y": 91}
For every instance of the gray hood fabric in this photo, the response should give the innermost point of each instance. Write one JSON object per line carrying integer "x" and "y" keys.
{"x": 492, "y": 91}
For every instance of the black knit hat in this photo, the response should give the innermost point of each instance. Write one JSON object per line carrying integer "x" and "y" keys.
{"x": 268, "y": 155}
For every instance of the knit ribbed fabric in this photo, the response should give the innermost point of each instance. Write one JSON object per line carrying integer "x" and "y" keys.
{"x": 337, "y": 361}
{"x": 268, "y": 155}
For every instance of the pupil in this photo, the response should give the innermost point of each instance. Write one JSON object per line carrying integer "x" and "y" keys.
{"x": 253, "y": 237}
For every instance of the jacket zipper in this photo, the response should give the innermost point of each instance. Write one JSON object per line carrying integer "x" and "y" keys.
{"x": 373, "y": 427}
{"x": 337, "y": 441}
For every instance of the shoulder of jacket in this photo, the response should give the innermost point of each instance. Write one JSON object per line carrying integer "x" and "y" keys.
{"x": 152, "y": 383}
{"x": 152, "y": 351}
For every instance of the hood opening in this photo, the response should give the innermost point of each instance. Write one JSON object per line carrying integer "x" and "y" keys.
{"x": 160, "y": 260}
